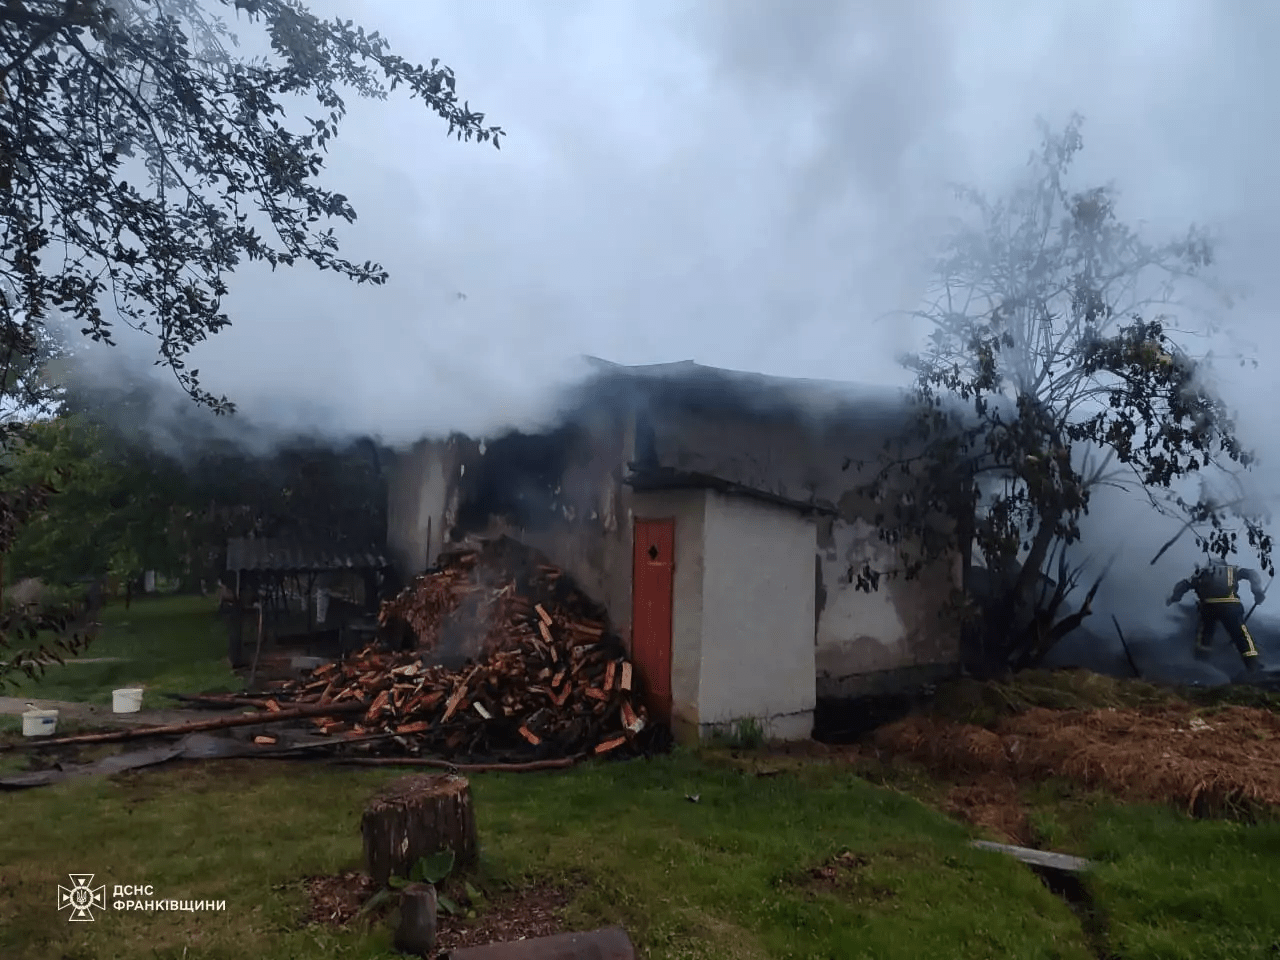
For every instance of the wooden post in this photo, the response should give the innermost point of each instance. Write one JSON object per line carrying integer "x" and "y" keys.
{"x": 309, "y": 600}
{"x": 415, "y": 817}
{"x": 257, "y": 650}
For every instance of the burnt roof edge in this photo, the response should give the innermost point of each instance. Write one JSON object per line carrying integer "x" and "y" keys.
{"x": 651, "y": 479}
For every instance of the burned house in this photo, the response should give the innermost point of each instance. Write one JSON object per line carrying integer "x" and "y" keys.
{"x": 716, "y": 516}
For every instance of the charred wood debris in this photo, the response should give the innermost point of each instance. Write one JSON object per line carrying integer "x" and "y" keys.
{"x": 541, "y": 676}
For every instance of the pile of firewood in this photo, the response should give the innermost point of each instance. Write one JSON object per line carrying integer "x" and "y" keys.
{"x": 549, "y": 678}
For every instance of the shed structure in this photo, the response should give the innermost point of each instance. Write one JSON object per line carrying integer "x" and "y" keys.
{"x": 716, "y": 516}
{"x": 319, "y": 599}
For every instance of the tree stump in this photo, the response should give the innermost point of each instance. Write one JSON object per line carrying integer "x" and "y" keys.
{"x": 416, "y": 817}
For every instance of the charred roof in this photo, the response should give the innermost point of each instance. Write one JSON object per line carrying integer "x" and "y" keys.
{"x": 688, "y": 385}
{"x": 284, "y": 556}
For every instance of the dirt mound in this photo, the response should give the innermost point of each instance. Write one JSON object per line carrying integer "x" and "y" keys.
{"x": 1211, "y": 763}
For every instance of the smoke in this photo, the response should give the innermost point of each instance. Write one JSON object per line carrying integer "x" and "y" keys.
{"x": 754, "y": 185}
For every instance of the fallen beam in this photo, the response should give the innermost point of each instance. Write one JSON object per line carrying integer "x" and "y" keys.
{"x": 228, "y": 702}
{"x": 222, "y": 723}
{"x": 1043, "y": 859}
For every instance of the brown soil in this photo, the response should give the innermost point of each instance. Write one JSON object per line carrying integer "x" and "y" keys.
{"x": 837, "y": 868}
{"x": 508, "y": 915}
{"x": 522, "y": 914}
{"x": 844, "y": 874}
{"x": 991, "y": 802}
{"x": 336, "y": 900}
{"x": 1210, "y": 764}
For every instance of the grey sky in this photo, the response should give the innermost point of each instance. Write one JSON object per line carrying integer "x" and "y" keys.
{"x": 749, "y": 184}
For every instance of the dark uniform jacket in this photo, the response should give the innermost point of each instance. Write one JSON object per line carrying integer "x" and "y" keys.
{"x": 1219, "y": 583}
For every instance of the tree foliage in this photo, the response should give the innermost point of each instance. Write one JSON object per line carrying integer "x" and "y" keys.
{"x": 142, "y": 159}
{"x": 1054, "y": 366}
{"x": 148, "y": 510}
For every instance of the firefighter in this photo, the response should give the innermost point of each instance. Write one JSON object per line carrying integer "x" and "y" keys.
{"x": 1217, "y": 590}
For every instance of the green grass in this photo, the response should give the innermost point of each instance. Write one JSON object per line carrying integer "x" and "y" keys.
{"x": 723, "y": 877}
{"x": 172, "y": 644}
{"x": 720, "y": 878}
{"x": 966, "y": 700}
{"x": 1176, "y": 889}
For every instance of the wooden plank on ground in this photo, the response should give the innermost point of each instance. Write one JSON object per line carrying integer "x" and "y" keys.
{"x": 1037, "y": 858}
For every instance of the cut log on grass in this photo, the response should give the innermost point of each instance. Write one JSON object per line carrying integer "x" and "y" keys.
{"x": 222, "y": 723}
{"x": 415, "y": 817}
{"x": 416, "y": 932}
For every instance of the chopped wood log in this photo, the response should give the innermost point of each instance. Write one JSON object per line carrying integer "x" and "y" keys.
{"x": 545, "y": 664}
{"x": 416, "y": 931}
{"x": 415, "y": 817}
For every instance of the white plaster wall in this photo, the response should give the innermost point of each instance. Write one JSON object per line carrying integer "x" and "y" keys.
{"x": 757, "y": 617}
{"x": 903, "y": 624}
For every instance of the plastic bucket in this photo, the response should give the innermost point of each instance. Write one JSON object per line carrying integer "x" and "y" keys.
{"x": 39, "y": 723}
{"x": 126, "y": 700}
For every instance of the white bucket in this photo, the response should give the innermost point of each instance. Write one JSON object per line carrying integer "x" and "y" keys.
{"x": 126, "y": 700}
{"x": 39, "y": 723}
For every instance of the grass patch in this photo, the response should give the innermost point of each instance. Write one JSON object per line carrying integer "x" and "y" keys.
{"x": 1177, "y": 889}
{"x": 1239, "y": 695}
{"x": 1164, "y": 886}
{"x": 713, "y": 879}
{"x": 746, "y": 734}
{"x": 173, "y": 644}
{"x": 965, "y": 700}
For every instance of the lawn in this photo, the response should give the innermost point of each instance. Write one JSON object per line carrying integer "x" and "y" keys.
{"x": 725, "y": 877}
{"x": 173, "y": 644}
{"x": 733, "y": 874}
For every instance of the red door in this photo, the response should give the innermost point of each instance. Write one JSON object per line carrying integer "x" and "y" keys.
{"x": 651, "y": 573}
